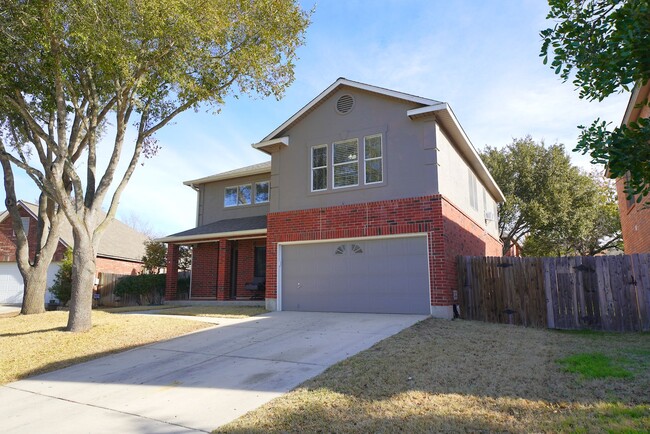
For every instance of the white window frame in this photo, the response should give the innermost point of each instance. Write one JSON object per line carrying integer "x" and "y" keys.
{"x": 25, "y": 221}
{"x": 254, "y": 196}
{"x": 311, "y": 164}
{"x": 238, "y": 187}
{"x": 381, "y": 158}
{"x": 473, "y": 190}
{"x": 484, "y": 200}
{"x": 334, "y": 165}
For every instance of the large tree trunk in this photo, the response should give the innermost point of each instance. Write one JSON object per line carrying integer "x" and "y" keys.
{"x": 35, "y": 281}
{"x": 83, "y": 279}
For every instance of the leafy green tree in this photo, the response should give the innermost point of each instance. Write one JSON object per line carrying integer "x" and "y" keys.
{"x": 537, "y": 183}
{"x": 155, "y": 257}
{"x": 70, "y": 69}
{"x": 592, "y": 227}
{"x": 184, "y": 258}
{"x": 604, "y": 45}
{"x": 551, "y": 208}
{"x": 62, "y": 286}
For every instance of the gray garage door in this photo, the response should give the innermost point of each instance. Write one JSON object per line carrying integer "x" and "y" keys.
{"x": 379, "y": 276}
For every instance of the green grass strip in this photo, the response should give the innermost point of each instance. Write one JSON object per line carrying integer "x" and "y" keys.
{"x": 594, "y": 365}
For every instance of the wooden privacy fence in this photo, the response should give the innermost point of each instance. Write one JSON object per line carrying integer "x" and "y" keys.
{"x": 105, "y": 289}
{"x": 582, "y": 292}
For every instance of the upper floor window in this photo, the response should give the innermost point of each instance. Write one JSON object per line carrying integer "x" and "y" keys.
{"x": 244, "y": 195}
{"x": 238, "y": 195}
{"x": 473, "y": 193}
{"x": 262, "y": 192}
{"x": 319, "y": 168}
{"x": 373, "y": 159}
{"x": 25, "y": 222}
{"x": 346, "y": 163}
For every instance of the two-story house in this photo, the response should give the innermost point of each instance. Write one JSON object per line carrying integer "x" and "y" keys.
{"x": 635, "y": 217}
{"x": 369, "y": 197}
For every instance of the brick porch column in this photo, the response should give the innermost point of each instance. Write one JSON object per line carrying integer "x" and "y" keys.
{"x": 171, "y": 285}
{"x": 223, "y": 270}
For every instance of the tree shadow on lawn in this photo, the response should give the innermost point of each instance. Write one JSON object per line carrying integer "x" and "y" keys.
{"x": 65, "y": 363}
{"x": 53, "y": 329}
{"x": 468, "y": 376}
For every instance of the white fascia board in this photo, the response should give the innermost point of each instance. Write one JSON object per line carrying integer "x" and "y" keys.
{"x": 348, "y": 239}
{"x": 427, "y": 110}
{"x": 192, "y": 183}
{"x": 353, "y": 84}
{"x": 209, "y": 237}
{"x": 279, "y": 142}
{"x": 467, "y": 148}
{"x": 639, "y": 93}
{"x": 630, "y": 104}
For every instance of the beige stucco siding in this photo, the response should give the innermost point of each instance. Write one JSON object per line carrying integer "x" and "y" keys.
{"x": 409, "y": 155}
{"x": 454, "y": 182}
{"x": 211, "y": 200}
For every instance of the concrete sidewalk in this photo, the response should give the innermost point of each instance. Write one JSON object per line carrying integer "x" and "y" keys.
{"x": 194, "y": 383}
{"x": 9, "y": 308}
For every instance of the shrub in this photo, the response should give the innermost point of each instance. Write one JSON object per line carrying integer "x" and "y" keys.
{"x": 146, "y": 288}
{"x": 62, "y": 286}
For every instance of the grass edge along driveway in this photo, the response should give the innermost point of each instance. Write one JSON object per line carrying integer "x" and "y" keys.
{"x": 35, "y": 344}
{"x": 441, "y": 376}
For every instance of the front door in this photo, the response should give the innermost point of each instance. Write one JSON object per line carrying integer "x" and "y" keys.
{"x": 234, "y": 253}
{"x": 259, "y": 266}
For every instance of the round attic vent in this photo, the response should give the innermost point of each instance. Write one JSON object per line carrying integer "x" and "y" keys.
{"x": 344, "y": 104}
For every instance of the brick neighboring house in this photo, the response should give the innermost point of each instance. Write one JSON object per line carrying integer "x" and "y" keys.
{"x": 635, "y": 218}
{"x": 120, "y": 251}
{"x": 368, "y": 198}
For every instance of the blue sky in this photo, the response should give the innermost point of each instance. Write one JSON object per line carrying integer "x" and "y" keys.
{"x": 482, "y": 57}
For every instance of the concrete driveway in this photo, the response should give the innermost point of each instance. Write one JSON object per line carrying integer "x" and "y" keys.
{"x": 194, "y": 383}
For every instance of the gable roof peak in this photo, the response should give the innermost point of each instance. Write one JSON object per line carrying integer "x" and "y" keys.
{"x": 342, "y": 81}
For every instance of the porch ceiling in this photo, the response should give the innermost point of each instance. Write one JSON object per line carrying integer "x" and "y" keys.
{"x": 241, "y": 227}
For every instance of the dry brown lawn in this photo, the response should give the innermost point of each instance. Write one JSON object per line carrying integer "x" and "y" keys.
{"x": 125, "y": 309}
{"x": 216, "y": 311}
{"x": 34, "y": 344}
{"x": 462, "y": 376}
{"x": 204, "y": 311}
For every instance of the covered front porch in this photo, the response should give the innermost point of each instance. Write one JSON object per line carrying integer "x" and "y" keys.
{"x": 228, "y": 261}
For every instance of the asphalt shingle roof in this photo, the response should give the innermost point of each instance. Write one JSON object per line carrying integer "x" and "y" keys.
{"x": 119, "y": 240}
{"x": 222, "y": 226}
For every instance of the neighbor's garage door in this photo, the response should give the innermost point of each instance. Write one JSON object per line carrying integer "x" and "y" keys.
{"x": 379, "y": 276}
{"x": 11, "y": 283}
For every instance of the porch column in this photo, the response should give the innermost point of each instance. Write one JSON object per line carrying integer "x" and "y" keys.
{"x": 223, "y": 270}
{"x": 171, "y": 284}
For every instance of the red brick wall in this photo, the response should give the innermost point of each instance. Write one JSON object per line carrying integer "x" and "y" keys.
{"x": 211, "y": 269}
{"x": 116, "y": 266}
{"x": 8, "y": 240}
{"x": 246, "y": 264}
{"x": 635, "y": 223}
{"x": 462, "y": 237}
{"x": 171, "y": 282}
{"x": 449, "y": 233}
{"x": 205, "y": 263}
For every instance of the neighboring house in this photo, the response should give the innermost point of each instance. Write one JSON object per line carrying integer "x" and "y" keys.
{"x": 635, "y": 218}
{"x": 369, "y": 197}
{"x": 120, "y": 251}
{"x": 515, "y": 250}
